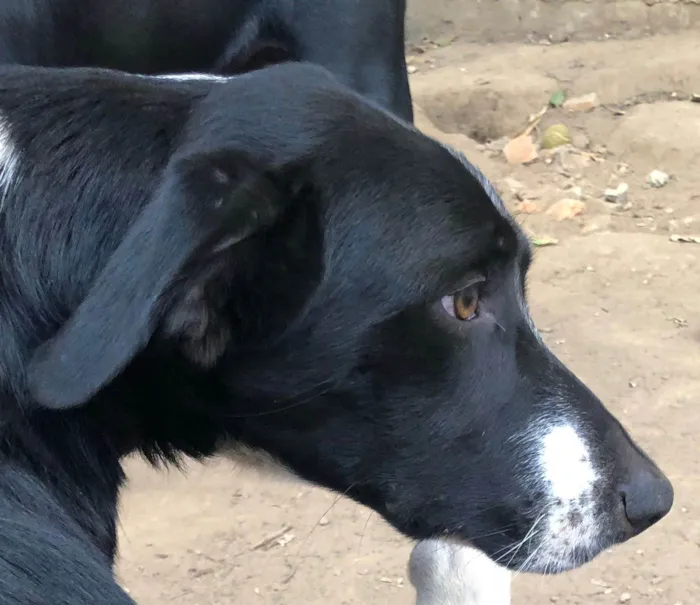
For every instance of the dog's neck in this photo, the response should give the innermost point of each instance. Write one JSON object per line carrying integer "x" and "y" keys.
{"x": 69, "y": 460}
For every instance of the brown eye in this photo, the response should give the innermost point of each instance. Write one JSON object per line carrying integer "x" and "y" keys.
{"x": 463, "y": 305}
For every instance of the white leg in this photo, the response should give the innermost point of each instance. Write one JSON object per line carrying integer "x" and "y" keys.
{"x": 447, "y": 574}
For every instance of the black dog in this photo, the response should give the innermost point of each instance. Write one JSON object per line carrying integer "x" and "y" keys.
{"x": 272, "y": 264}
{"x": 361, "y": 42}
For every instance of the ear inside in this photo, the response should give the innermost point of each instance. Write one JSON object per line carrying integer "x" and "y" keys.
{"x": 161, "y": 274}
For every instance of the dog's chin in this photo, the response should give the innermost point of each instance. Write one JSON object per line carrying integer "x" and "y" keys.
{"x": 550, "y": 542}
{"x": 552, "y": 556}
{"x": 539, "y": 553}
{"x": 550, "y": 566}
{"x": 533, "y": 560}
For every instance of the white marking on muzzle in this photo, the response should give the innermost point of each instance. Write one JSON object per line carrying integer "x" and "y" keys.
{"x": 571, "y": 521}
{"x": 566, "y": 463}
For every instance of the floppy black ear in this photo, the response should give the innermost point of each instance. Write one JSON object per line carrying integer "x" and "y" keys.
{"x": 164, "y": 273}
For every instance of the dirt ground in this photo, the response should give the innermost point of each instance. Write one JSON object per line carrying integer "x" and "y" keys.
{"x": 617, "y": 299}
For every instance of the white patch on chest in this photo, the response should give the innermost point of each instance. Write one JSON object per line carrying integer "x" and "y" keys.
{"x": 444, "y": 573}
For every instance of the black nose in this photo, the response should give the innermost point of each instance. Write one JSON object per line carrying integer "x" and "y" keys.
{"x": 647, "y": 497}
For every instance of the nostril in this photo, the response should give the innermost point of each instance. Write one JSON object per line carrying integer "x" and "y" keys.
{"x": 646, "y": 499}
{"x": 656, "y": 518}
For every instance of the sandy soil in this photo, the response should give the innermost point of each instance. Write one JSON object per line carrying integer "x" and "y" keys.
{"x": 617, "y": 299}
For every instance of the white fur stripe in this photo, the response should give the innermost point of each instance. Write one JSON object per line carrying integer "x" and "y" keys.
{"x": 190, "y": 77}
{"x": 9, "y": 161}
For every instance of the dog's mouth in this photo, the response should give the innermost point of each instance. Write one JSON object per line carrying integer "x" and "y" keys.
{"x": 574, "y": 503}
{"x": 542, "y": 552}
{"x": 561, "y": 537}
{"x": 557, "y": 540}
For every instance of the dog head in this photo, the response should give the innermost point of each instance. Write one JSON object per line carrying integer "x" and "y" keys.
{"x": 355, "y": 294}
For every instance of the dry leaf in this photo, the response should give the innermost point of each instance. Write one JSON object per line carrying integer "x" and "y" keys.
{"x": 521, "y": 150}
{"x": 566, "y": 209}
{"x": 526, "y": 207}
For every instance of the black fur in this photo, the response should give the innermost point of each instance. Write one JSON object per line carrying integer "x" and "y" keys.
{"x": 146, "y": 304}
{"x": 361, "y": 42}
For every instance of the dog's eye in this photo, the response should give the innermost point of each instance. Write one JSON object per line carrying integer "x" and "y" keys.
{"x": 463, "y": 305}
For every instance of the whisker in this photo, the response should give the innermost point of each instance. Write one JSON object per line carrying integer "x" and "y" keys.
{"x": 294, "y": 404}
{"x": 362, "y": 535}
{"x": 527, "y": 560}
{"x": 316, "y": 525}
{"x": 516, "y": 548}
{"x": 440, "y": 544}
{"x": 527, "y": 537}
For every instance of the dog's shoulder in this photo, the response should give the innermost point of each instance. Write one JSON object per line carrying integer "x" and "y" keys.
{"x": 47, "y": 552}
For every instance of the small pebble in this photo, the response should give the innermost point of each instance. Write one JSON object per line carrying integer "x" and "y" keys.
{"x": 513, "y": 184}
{"x": 657, "y": 178}
{"x": 582, "y": 103}
{"x": 580, "y": 140}
{"x": 617, "y": 194}
{"x": 625, "y": 597}
{"x": 575, "y": 192}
